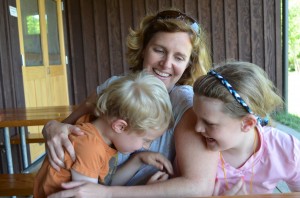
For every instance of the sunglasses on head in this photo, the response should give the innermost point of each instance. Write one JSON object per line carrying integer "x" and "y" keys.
{"x": 173, "y": 14}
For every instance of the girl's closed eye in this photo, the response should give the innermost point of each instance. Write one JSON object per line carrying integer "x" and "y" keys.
{"x": 207, "y": 123}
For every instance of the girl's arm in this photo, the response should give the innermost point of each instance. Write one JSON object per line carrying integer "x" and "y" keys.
{"x": 127, "y": 170}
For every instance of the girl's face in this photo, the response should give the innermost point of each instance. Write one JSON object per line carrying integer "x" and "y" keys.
{"x": 130, "y": 141}
{"x": 167, "y": 55}
{"x": 221, "y": 131}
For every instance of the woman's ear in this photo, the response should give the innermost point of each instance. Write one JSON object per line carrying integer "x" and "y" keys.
{"x": 248, "y": 122}
{"x": 119, "y": 125}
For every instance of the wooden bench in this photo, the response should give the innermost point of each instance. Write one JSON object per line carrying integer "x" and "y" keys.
{"x": 16, "y": 184}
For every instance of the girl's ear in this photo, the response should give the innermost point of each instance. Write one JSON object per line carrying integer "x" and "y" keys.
{"x": 119, "y": 125}
{"x": 248, "y": 122}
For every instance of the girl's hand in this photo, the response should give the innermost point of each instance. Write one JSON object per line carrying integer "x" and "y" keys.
{"x": 155, "y": 159}
{"x": 80, "y": 189}
{"x": 238, "y": 189}
{"x": 56, "y": 135}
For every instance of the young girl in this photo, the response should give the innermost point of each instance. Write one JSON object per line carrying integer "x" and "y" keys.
{"x": 231, "y": 103}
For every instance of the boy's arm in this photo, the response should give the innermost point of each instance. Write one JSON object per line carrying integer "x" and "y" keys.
{"x": 128, "y": 169}
{"x": 79, "y": 177}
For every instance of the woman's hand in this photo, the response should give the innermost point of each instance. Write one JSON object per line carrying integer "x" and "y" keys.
{"x": 56, "y": 135}
{"x": 238, "y": 189}
{"x": 80, "y": 189}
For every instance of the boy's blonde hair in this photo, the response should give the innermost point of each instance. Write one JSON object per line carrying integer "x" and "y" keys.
{"x": 249, "y": 81}
{"x": 140, "y": 99}
{"x": 137, "y": 40}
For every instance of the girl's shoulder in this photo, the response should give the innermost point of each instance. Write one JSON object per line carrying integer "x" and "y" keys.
{"x": 279, "y": 141}
{"x": 275, "y": 134}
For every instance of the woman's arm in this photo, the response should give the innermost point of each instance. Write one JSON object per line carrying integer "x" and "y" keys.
{"x": 56, "y": 133}
{"x": 87, "y": 107}
{"x": 196, "y": 164}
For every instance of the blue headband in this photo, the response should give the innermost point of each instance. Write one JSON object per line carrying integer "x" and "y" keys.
{"x": 238, "y": 98}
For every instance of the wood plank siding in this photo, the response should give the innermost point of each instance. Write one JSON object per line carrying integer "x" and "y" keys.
{"x": 11, "y": 82}
{"x": 95, "y": 38}
{"x": 247, "y": 30}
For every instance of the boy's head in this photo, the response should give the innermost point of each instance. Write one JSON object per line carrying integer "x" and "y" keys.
{"x": 138, "y": 105}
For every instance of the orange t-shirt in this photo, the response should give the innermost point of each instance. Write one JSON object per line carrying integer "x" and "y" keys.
{"x": 93, "y": 159}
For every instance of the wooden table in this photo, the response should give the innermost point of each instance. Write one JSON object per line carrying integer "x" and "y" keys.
{"x": 30, "y": 116}
{"x": 16, "y": 184}
{"x": 283, "y": 195}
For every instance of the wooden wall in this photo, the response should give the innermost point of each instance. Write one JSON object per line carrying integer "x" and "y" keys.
{"x": 11, "y": 82}
{"x": 247, "y": 30}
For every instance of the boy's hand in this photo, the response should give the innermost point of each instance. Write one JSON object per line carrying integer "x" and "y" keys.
{"x": 155, "y": 159}
{"x": 158, "y": 177}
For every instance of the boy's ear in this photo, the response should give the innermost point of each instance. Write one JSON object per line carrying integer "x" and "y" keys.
{"x": 248, "y": 122}
{"x": 119, "y": 125}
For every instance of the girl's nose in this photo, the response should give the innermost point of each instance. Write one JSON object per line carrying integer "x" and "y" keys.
{"x": 199, "y": 127}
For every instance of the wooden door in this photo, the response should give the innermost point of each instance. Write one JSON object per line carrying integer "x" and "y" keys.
{"x": 43, "y": 57}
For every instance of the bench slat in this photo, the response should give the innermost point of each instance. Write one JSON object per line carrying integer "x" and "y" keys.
{"x": 30, "y": 138}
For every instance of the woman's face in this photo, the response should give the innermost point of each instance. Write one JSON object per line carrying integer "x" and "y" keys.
{"x": 167, "y": 55}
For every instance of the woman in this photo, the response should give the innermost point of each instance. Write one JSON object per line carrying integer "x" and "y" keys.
{"x": 171, "y": 46}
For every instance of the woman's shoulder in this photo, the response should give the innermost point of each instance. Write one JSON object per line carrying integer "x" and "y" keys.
{"x": 107, "y": 83}
{"x": 182, "y": 99}
{"x": 178, "y": 88}
{"x": 182, "y": 91}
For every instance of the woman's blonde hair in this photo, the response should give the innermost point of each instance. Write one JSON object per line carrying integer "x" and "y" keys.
{"x": 137, "y": 40}
{"x": 249, "y": 81}
{"x": 138, "y": 98}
